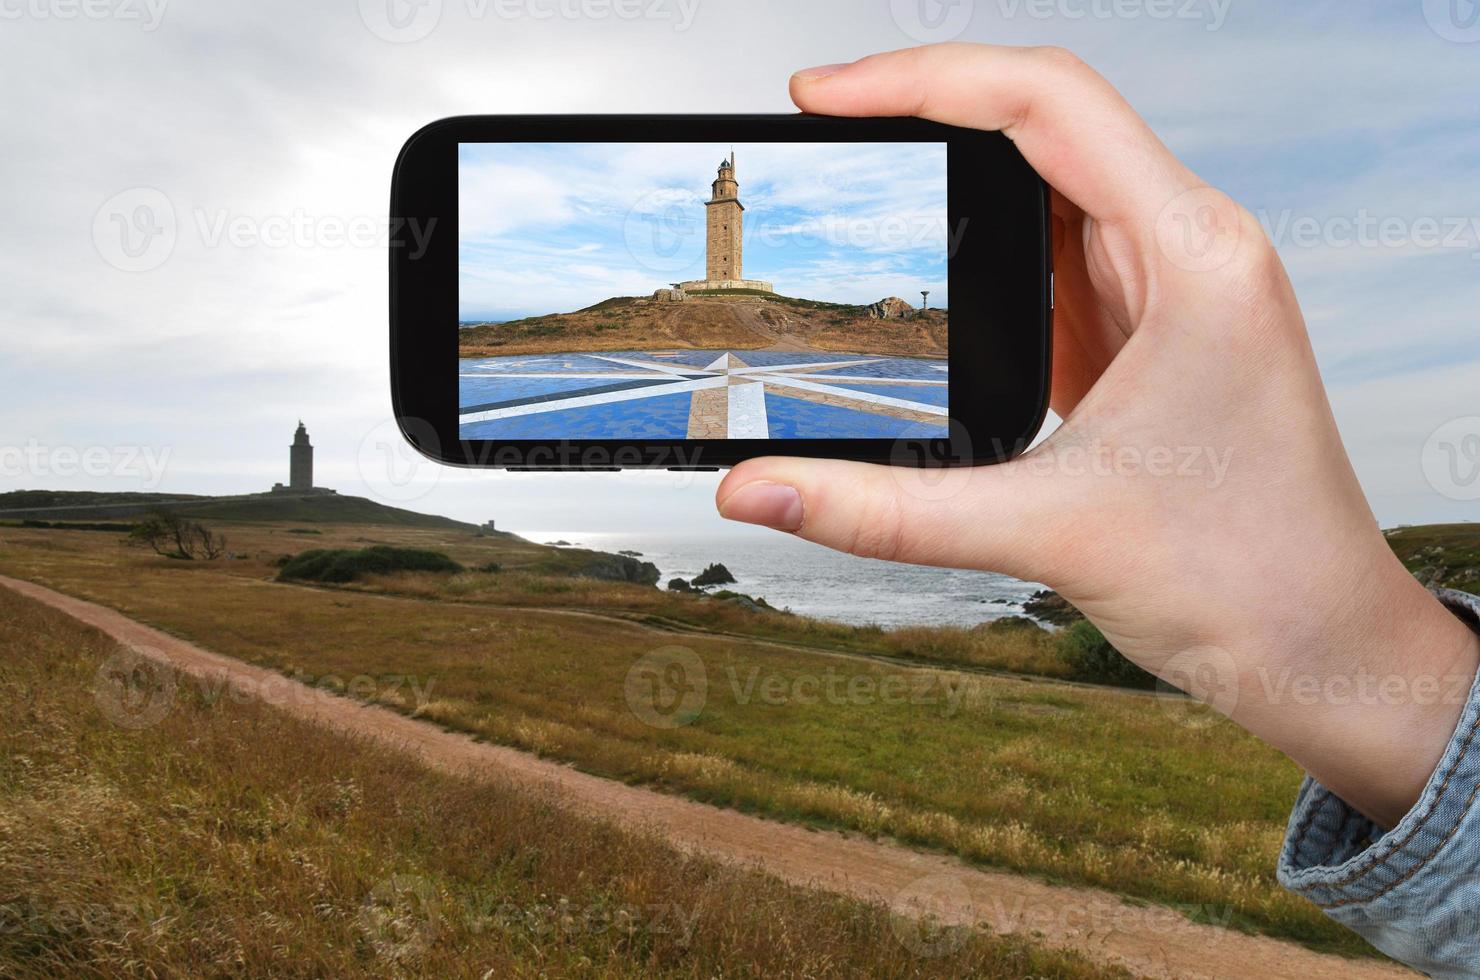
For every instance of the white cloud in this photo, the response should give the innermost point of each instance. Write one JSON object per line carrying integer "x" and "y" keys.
{"x": 262, "y": 109}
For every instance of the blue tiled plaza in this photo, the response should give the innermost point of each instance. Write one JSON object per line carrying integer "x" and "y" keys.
{"x": 702, "y": 394}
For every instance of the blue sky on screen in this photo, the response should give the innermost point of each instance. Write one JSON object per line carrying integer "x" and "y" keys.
{"x": 554, "y": 227}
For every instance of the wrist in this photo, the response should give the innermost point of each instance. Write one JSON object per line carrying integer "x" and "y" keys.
{"x": 1368, "y": 700}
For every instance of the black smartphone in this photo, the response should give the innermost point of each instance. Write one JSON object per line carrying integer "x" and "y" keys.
{"x": 605, "y": 292}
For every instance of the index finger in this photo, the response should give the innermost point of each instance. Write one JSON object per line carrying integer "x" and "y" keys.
{"x": 1068, "y": 121}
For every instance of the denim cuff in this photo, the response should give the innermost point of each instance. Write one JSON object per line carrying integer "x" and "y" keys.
{"x": 1398, "y": 887}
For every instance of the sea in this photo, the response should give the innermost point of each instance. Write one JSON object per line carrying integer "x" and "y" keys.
{"x": 814, "y": 581}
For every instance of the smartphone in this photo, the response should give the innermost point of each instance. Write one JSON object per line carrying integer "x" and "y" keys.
{"x": 609, "y": 292}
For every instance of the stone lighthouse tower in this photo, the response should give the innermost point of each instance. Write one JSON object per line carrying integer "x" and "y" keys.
{"x": 725, "y": 217}
{"x": 300, "y": 461}
{"x": 724, "y": 225}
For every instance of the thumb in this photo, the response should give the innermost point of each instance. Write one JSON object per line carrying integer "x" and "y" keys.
{"x": 996, "y": 518}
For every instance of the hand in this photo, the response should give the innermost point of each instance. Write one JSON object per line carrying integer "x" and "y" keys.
{"x": 1196, "y": 504}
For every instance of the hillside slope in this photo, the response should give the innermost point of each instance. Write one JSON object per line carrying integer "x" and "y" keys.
{"x": 735, "y": 321}
{"x": 63, "y": 505}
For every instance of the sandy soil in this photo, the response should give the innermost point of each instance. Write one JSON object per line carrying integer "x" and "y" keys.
{"x": 1148, "y": 940}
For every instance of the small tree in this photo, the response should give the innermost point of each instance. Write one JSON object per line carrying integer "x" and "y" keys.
{"x": 173, "y": 536}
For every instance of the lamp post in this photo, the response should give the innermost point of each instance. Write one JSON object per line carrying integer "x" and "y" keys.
{"x": 924, "y": 299}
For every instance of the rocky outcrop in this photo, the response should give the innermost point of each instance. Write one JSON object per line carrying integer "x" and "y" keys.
{"x": 1050, "y": 607}
{"x": 620, "y": 568}
{"x": 715, "y": 574}
{"x": 679, "y": 585}
{"x": 891, "y": 308}
{"x": 669, "y": 296}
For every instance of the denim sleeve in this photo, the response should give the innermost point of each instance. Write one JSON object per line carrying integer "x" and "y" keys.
{"x": 1412, "y": 891}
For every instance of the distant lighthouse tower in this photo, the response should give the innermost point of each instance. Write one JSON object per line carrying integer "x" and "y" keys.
{"x": 300, "y": 461}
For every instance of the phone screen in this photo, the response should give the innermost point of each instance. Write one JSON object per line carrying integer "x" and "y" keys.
{"x": 666, "y": 291}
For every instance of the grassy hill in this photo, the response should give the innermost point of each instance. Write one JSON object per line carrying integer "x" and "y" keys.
{"x": 62, "y": 505}
{"x": 733, "y": 320}
{"x": 1440, "y": 555}
{"x": 230, "y": 839}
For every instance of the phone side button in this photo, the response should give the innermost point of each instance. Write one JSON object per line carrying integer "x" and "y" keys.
{"x": 693, "y": 469}
{"x": 563, "y": 469}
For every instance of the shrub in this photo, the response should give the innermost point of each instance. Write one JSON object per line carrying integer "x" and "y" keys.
{"x": 173, "y": 536}
{"x": 1012, "y": 624}
{"x": 1092, "y": 658}
{"x": 347, "y": 565}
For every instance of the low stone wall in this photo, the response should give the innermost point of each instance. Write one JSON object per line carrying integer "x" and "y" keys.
{"x": 701, "y": 284}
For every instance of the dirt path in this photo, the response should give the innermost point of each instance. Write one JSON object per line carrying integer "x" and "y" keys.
{"x": 1150, "y": 941}
{"x": 751, "y": 319}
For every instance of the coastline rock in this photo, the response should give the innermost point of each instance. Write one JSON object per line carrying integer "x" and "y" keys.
{"x": 716, "y": 574}
{"x": 758, "y": 604}
{"x": 679, "y": 585}
{"x": 1053, "y": 608}
{"x": 620, "y": 568}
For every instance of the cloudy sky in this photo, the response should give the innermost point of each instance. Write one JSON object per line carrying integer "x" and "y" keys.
{"x": 195, "y": 193}
{"x": 554, "y": 227}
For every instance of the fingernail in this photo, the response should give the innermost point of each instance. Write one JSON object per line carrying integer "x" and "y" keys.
{"x": 821, "y": 71}
{"x": 772, "y": 505}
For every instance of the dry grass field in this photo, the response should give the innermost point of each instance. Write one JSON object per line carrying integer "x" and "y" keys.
{"x": 232, "y": 840}
{"x": 1142, "y": 795}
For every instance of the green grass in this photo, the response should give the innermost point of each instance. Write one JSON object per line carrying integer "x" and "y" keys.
{"x": 230, "y": 840}
{"x": 1446, "y": 555}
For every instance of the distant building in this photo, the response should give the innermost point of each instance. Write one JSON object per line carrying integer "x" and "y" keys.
{"x": 489, "y": 526}
{"x": 300, "y": 466}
